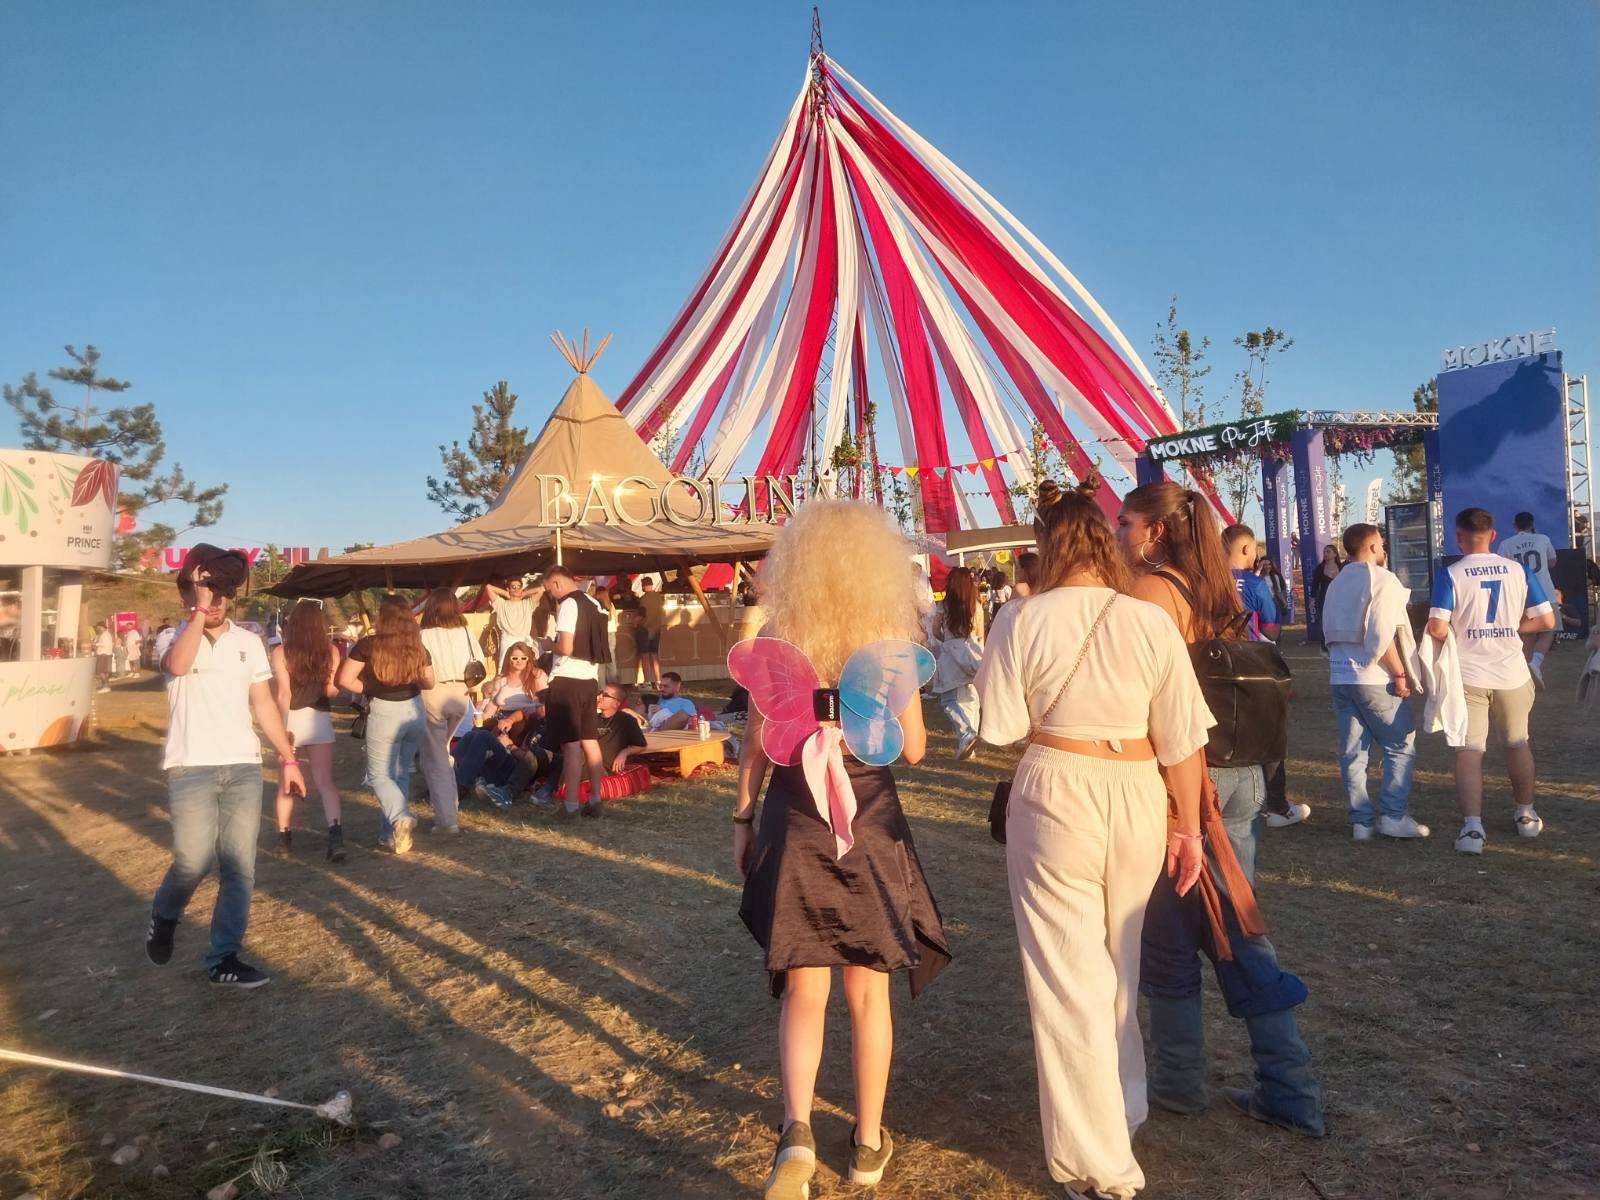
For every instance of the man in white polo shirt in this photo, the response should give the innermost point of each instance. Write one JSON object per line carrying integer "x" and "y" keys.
{"x": 1489, "y": 602}
{"x": 217, "y": 676}
{"x": 569, "y": 714}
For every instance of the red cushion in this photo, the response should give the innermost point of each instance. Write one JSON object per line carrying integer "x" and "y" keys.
{"x": 613, "y": 787}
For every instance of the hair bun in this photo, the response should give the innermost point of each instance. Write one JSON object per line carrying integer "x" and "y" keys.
{"x": 1090, "y": 484}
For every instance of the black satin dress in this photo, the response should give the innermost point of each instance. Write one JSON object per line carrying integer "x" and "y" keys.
{"x": 871, "y": 908}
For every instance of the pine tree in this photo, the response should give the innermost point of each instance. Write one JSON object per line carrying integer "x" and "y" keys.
{"x": 473, "y": 477}
{"x": 128, "y": 436}
{"x": 1408, "y": 460}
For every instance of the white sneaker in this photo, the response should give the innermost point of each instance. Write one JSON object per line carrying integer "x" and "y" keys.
{"x": 1537, "y": 671}
{"x": 1363, "y": 833}
{"x": 1530, "y": 826}
{"x": 966, "y": 747}
{"x": 1470, "y": 841}
{"x": 1402, "y": 827}
{"x": 1296, "y": 814}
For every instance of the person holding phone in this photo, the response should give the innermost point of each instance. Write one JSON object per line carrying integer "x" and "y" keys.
{"x": 217, "y": 676}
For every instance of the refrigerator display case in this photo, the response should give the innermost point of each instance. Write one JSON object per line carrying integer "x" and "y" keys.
{"x": 1409, "y": 534}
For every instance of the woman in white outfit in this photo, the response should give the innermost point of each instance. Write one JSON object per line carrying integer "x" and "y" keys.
{"x": 303, "y": 667}
{"x": 1102, "y": 686}
{"x": 454, "y": 653}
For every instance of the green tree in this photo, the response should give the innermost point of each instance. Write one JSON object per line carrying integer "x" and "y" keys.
{"x": 1409, "y": 467}
{"x": 1181, "y": 368}
{"x": 1043, "y": 463}
{"x": 474, "y": 476}
{"x": 129, "y": 436}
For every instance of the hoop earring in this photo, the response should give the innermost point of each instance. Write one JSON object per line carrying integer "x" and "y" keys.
{"x": 1147, "y": 562}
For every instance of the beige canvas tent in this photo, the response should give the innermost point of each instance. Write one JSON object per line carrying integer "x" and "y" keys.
{"x": 585, "y": 440}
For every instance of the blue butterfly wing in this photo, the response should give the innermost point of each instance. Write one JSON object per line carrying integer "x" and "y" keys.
{"x": 877, "y": 683}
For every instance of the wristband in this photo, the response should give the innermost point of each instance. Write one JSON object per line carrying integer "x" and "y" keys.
{"x": 199, "y": 608}
{"x": 750, "y": 820}
{"x": 1188, "y": 837}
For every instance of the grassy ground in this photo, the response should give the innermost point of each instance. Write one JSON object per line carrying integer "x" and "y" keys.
{"x": 492, "y": 999}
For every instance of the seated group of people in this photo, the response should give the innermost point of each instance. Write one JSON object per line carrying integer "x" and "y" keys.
{"x": 510, "y": 752}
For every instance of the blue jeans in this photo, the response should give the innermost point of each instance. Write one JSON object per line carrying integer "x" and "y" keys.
{"x": 1368, "y": 713}
{"x": 961, "y": 706}
{"x": 480, "y": 754}
{"x": 1255, "y": 987}
{"x": 216, "y": 817}
{"x": 395, "y": 729}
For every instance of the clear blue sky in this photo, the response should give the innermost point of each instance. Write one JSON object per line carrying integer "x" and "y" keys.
{"x": 313, "y": 234}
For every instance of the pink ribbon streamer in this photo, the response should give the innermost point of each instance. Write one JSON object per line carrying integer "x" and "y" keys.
{"x": 835, "y": 797}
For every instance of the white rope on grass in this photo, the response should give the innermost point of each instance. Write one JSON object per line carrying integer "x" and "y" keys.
{"x": 340, "y": 1108}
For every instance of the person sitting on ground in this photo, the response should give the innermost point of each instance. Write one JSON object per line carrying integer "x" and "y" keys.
{"x": 497, "y": 762}
{"x": 518, "y": 686}
{"x": 1368, "y": 632}
{"x": 675, "y": 710}
{"x": 620, "y": 732}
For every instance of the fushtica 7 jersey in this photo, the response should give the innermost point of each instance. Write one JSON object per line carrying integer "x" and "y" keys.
{"x": 1485, "y": 598}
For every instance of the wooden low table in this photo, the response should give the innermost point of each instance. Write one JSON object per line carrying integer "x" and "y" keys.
{"x": 687, "y": 744}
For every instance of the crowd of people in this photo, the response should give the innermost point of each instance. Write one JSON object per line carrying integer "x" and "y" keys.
{"x": 1131, "y": 822}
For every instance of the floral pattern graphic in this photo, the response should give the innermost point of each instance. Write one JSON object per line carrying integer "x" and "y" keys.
{"x": 98, "y": 478}
{"x": 16, "y": 496}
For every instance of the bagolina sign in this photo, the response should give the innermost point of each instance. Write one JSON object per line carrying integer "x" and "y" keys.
{"x": 1219, "y": 439}
{"x": 682, "y": 500}
{"x": 1502, "y": 349}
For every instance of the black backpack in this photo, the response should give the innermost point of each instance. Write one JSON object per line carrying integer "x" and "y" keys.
{"x": 1246, "y": 685}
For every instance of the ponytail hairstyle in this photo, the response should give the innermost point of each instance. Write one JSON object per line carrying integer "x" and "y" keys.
{"x": 1077, "y": 537}
{"x": 960, "y": 602}
{"x": 1182, "y": 524}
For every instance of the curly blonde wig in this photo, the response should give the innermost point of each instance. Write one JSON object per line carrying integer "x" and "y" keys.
{"x": 839, "y": 576}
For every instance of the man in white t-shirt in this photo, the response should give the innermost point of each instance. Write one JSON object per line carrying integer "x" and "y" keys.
{"x": 570, "y": 718}
{"x": 217, "y": 675}
{"x": 105, "y": 645}
{"x": 1533, "y": 550}
{"x": 513, "y": 615}
{"x": 133, "y": 643}
{"x": 1488, "y": 601}
{"x": 1363, "y": 615}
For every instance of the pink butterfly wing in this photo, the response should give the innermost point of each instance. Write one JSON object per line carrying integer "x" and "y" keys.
{"x": 780, "y": 682}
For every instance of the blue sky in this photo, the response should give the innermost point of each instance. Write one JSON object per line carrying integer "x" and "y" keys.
{"x": 313, "y": 235}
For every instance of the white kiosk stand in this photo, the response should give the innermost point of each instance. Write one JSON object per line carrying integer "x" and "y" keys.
{"x": 57, "y": 517}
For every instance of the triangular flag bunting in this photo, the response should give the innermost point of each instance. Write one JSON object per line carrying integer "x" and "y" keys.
{"x": 911, "y": 472}
{"x": 1001, "y": 457}
{"x": 988, "y": 464}
{"x": 893, "y": 470}
{"x": 972, "y": 468}
{"x": 939, "y": 472}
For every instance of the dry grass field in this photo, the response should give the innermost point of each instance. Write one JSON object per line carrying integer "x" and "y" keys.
{"x": 491, "y": 999}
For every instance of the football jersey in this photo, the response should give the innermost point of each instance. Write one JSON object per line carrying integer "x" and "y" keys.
{"x": 1534, "y": 551}
{"x": 1255, "y": 593}
{"x": 1485, "y": 597}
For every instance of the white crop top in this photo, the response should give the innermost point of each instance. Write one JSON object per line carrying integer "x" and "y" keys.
{"x": 1137, "y": 680}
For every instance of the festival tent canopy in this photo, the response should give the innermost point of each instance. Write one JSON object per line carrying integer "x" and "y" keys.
{"x": 585, "y": 439}
{"x": 861, "y": 235}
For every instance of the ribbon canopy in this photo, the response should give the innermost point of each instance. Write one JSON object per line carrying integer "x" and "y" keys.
{"x": 859, "y": 225}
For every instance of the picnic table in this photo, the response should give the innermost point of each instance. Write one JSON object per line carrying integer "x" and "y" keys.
{"x": 691, "y": 749}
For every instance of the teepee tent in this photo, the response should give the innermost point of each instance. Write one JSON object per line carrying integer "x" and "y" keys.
{"x": 586, "y": 441}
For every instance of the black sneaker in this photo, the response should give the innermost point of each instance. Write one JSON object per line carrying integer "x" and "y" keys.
{"x": 866, "y": 1162}
{"x": 592, "y": 809}
{"x": 335, "y": 842}
{"x": 230, "y": 972}
{"x": 158, "y": 940}
{"x": 285, "y": 843}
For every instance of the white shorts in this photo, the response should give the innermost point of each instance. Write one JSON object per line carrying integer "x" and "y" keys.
{"x": 310, "y": 726}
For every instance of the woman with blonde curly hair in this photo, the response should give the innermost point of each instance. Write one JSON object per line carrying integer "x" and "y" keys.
{"x": 1100, "y": 686}
{"x": 869, "y": 910}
